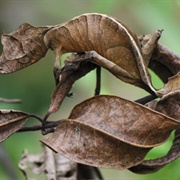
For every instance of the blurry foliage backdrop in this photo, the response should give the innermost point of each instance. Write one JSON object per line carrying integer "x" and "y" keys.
{"x": 34, "y": 84}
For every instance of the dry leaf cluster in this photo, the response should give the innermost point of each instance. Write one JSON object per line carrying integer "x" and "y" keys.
{"x": 103, "y": 131}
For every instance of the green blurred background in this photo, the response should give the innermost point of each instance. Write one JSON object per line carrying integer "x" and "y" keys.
{"x": 35, "y": 84}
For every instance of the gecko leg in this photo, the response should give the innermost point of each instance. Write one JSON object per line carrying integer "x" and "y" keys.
{"x": 120, "y": 73}
{"x": 116, "y": 70}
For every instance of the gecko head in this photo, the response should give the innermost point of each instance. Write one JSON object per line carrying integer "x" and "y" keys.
{"x": 21, "y": 48}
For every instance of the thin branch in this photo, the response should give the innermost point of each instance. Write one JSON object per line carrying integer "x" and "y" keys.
{"x": 49, "y": 125}
{"x": 146, "y": 99}
{"x": 98, "y": 173}
{"x": 36, "y": 117}
{"x": 98, "y": 81}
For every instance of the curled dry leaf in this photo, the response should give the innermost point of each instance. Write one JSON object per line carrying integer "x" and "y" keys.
{"x": 166, "y": 58}
{"x": 22, "y": 48}
{"x": 85, "y": 144}
{"x": 169, "y": 105}
{"x": 151, "y": 166}
{"x": 10, "y": 122}
{"x": 172, "y": 85}
{"x": 128, "y": 121}
{"x": 71, "y": 72}
{"x": 164, "y": 62}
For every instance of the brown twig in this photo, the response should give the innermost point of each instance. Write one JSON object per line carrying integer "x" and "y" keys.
{"x": 146, "y": 99}
{"x": 98, "y": 81}
{"x": 49, "y": 125}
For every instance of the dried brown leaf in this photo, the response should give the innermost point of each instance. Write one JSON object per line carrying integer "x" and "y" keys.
{"x": 151, "y": 166}
{"x": 85, "y": 144}
{"x": 168, "y": 105}
{"x": 172, "y": 85}
{"x": 71, "y": 72}
{"x": 126, "y": 131}
{"x": 167, "y": 58}
{"x": 128, "y": 121}
{"x": 22, "y": 48}
{"x": 10, "y": 122}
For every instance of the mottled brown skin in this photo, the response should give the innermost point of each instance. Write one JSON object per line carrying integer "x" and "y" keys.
{"x": 21, "y": 48}
{"x": 98, "y": 33}
{"x": 108, "y": 42}
{"x": 112, "y": 44}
